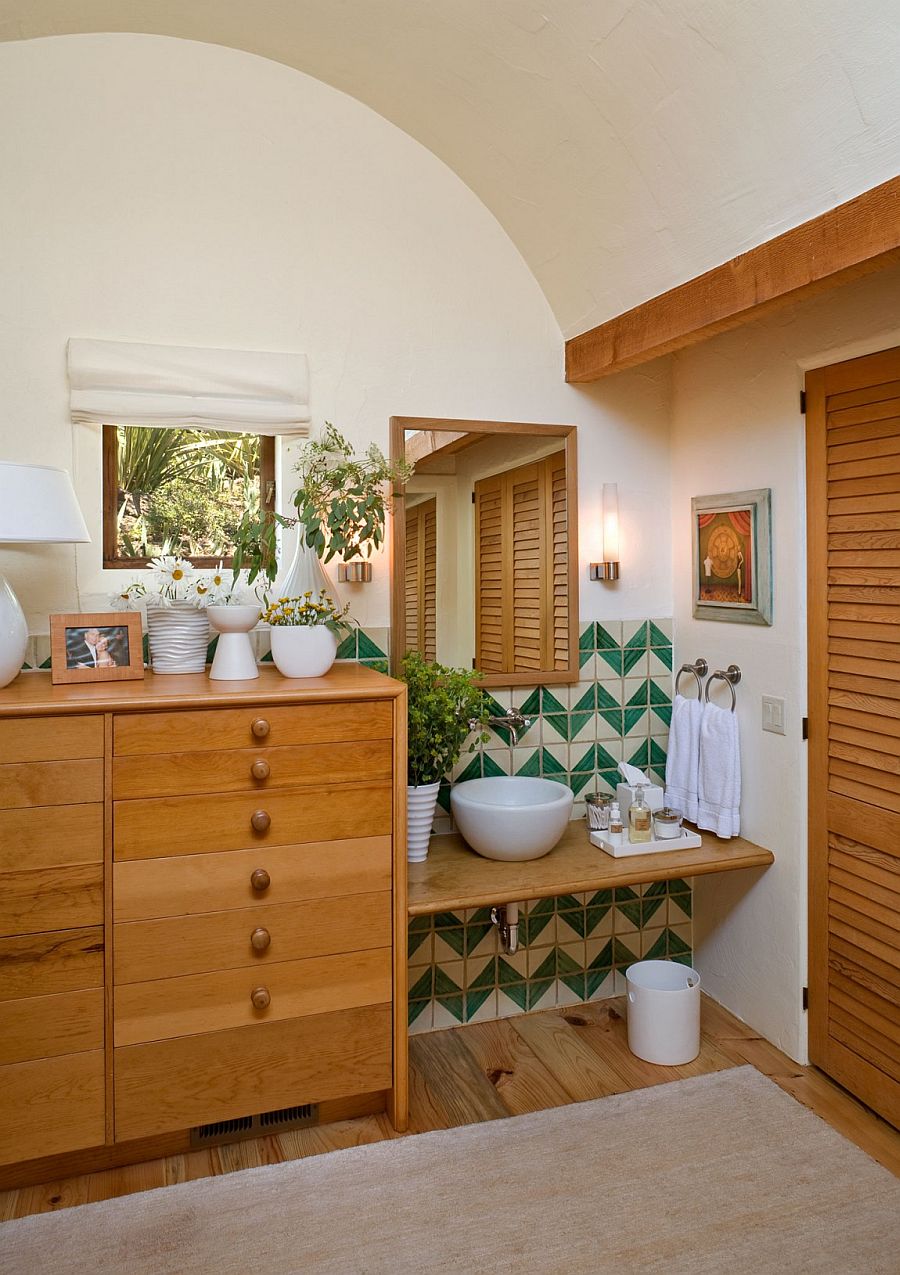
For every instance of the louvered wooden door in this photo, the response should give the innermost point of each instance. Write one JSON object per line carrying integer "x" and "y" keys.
{"x": 522, "y": 573}
{"x": 853, "y": 483}
{"x": 421, "y": 578}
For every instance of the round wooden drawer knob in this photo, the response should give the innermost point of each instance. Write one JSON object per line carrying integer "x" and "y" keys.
{"x": 260, "y": 769}
{"x": 261, "y": 998}
{"x": 260, "y": 728}
{"x": 260, "y": 879}
{"x": 260, "y": 938}
{"x": 260, "y": 821}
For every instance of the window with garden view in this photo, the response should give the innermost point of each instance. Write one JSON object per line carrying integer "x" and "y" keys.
{"x": 180, "y": 491}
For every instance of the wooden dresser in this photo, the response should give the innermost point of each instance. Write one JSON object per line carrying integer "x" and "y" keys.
{"x": 202, "y": 909}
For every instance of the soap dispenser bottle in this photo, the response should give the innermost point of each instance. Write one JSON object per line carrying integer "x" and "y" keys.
{"x": 639, "y": 817}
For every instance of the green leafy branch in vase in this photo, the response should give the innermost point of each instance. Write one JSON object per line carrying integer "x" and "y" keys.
{"x": 341, "y": 501}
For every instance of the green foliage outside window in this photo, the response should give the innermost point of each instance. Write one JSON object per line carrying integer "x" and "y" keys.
{"x": 184, "y": 490}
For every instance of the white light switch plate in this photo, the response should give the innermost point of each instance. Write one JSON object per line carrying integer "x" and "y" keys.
{"x": 773, "y": 714}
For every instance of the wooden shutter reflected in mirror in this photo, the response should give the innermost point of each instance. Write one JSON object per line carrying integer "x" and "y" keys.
{"x": 522, "y": 569}
{"x": 421, "y": 578}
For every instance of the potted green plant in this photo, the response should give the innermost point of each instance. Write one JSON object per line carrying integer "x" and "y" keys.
{"x": 305, "y": 634}
{"x": 445, "y": 706}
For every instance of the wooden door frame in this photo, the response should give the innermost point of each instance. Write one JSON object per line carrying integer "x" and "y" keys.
{"x": 817, "y": 707}
{"x": 398, "y": 427}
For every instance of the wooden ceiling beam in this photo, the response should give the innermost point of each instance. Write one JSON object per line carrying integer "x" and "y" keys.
{"x": 853, "y": 239}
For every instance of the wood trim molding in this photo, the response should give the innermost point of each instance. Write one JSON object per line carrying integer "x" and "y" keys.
{"x": 854, "y": 239}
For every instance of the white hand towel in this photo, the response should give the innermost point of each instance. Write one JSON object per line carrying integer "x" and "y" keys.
{"x": 683, "y": 761}
{"x": 720, "y": 772}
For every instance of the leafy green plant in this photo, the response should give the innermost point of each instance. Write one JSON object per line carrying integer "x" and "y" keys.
{"x": 256, "y": 544}
{"x": 341, "y": 499}
{"x": 341, "y": 504}
{"x": 445, "y": 706}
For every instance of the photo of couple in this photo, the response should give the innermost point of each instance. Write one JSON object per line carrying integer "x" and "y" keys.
{"x": 98, "y": 647}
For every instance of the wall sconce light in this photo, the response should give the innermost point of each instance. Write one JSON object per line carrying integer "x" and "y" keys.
{"x": 354, "y": 572}
{"x": 608, "y": 569}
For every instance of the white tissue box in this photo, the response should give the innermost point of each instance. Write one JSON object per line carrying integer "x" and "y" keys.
{"x": 654, "y": 796}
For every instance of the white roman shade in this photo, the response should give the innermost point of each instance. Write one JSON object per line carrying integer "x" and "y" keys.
{"x": 166, "y": 386}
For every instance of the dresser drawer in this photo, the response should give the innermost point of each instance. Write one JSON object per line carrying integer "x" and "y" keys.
{"x": 50, "y": 783}
{"x": 250, "y": 769}
{"x": 47, "y": 963}
{"x": 192, "y": 1080}
{"x": 51, "y": 899}
{"x": 223, "y": 999}
{"x": 207, "y": 730}
{"x": 198, "y": 883}
{"x": 45, "y": 1026}
{"x": 51, "y": 1105}
{"x": 154, "y": 827}
{"x": 252, "y": 938}
{"x": 50, "y": 836}
{"x": 50, "y": 739}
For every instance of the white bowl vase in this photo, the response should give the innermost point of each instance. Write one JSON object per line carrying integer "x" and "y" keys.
{"x": 303, "y": 650}
{"x": 234, "y": 660}
{"x": 179, "y": 637}
{"x": 421, "y": 800}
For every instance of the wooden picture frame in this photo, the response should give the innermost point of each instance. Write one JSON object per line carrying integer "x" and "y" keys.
{"x": 731, "y": 558}
{"x": 119, "y": 647}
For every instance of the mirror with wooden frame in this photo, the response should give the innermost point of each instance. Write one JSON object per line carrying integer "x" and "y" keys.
{"x": 485, "y": 548}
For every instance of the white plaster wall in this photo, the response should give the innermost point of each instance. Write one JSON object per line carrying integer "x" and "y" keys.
{"x": 737, "y": 425}
{"x": 166, "y": 191}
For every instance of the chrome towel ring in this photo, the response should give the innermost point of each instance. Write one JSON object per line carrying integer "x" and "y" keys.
{"x": 698, "y": 669}
{"x": 731, "y": 675}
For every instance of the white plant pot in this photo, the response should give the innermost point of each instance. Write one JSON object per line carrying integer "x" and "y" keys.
{"x": 179, "y": 637}
{"x": 303, "y": 650}
{"x": 421, "y": 800}
{"x": 234, "y": 660}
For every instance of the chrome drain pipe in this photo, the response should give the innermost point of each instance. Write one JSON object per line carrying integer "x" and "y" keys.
{"x": 506, "y": 918}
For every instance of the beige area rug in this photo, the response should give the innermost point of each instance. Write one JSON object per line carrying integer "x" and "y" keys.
{"x": 717, "y": 1175}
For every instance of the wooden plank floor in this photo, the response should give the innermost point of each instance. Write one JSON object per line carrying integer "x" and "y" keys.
{"x": 487, "y": 1071}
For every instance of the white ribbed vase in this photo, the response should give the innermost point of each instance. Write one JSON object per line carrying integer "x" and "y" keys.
{"x": 179, "y": 637}
{"x": 421, "y": 800}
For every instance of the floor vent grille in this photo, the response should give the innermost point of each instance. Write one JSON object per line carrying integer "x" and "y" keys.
{"x": 280, "y": 1121}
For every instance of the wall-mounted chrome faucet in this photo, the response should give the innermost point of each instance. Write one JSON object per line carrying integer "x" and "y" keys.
{"x": 514, "y": 721}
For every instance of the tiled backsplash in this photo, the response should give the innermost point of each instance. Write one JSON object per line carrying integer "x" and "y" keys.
{"x": 573, "y": 948}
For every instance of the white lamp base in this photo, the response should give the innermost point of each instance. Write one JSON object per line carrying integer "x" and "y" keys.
{"x": 13, "y": 634}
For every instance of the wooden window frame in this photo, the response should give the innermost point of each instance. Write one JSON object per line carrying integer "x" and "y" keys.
{"x": 399, "y": 426}
{"x": 111, "y": 559}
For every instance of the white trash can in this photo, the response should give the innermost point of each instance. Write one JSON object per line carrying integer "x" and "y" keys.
{"x": 663, "y": 1012}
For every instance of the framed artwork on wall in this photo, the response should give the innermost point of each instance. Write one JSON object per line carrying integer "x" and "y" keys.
{"x": 732, "y": 556}
{"x": 101, "y": 646}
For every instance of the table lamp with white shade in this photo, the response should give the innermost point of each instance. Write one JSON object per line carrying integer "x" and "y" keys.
{"x": 37, "y": 506}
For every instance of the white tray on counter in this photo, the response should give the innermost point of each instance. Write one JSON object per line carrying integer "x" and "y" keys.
{"x": 687, "y": 841}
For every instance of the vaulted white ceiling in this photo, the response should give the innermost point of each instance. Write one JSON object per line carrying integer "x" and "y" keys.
{"x": 625, "y": 145}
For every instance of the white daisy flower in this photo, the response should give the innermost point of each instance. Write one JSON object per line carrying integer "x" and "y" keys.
{"x": 173, "y": 574}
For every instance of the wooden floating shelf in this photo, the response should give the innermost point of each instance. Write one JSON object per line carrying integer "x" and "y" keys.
{"x": 453, "y": 876}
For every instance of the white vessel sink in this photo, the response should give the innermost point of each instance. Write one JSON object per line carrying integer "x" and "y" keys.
{"x": 511, "y": 817}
